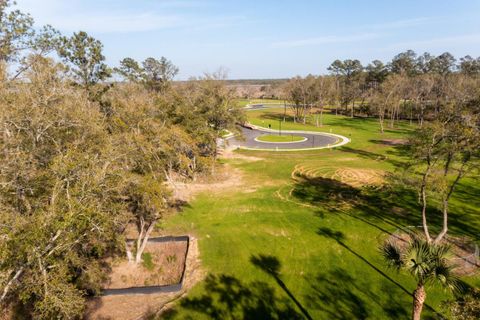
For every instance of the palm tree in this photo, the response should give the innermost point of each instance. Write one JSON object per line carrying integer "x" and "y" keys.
{"x": 426, "y": 262}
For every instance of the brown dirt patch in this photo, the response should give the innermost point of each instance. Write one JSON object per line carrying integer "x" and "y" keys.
{"x": 359, "y": 177}
{"x": 351, "y": 176}
{"x": 356, "y": 178}
{"x": 462, "y": 248}
{"x": 394, "y": 142}
{"x": 400, "y": 211}
{"x": 130, "y": 307}
{"x": 228, "y": 153}
{"x": 165, "y": 267}
{"x": 226, "y": 179}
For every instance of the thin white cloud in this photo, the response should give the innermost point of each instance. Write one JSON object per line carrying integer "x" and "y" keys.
{"x": 406, "y": 23}
{"x": 111, "y": 16}
{"x": 120, "y": 22}
{"x": 442, "y": 42}
{"x": 325, "y": 40}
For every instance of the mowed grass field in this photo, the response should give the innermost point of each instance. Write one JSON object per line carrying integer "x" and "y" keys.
{"x": 299, "y": 238}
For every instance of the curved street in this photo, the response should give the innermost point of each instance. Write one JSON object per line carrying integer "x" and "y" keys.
{"x": 314, "y": 140}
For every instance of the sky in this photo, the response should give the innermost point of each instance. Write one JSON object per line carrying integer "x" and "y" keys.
{"x": 265, "y": 38}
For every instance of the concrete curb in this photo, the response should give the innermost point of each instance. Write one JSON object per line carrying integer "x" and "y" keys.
{"x": 341, "y": 140}
{"x": 154, "y": 289}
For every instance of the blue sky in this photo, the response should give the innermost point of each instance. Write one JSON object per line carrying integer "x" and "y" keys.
{"x": 263, "y": 38}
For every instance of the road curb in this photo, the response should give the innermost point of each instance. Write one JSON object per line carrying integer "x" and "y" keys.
{"x": 341, "y": 140}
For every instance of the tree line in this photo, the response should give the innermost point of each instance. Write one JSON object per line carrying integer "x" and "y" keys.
{"x": 439, "y": 97}
{"x": 410, "y": 86}
{"x": 83, "y": 157}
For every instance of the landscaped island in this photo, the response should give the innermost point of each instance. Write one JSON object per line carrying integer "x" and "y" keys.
{"x": 280, "y": 139}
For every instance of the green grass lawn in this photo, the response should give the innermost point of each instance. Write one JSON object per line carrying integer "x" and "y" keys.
{"x": 244, "y": 102}
{"x": 279, "y": 248}
{"x": 277, "y": 138}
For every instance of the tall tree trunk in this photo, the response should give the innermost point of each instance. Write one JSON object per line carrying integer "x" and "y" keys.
{"x": 392, "y": 117}
{"x": 421, "y": 116}
{"x": 353, "y": 108}
{"x": 423, "y": 195}
{"x": 411, "y": 114}
{"x": 304, "y": 110}
{"x": 6, "y": 289}
{"x": 142, "y": 241}
{"x": 214, "y": 158}
{"x": 49, "y": 249}
{"x": 129, "y": 252}
{"x": 445, "y": 204}
{"x": 419, "y": 296}
{"x": 381, "y": 119}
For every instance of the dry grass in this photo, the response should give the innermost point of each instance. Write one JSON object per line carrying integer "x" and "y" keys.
{"x": 354, "y": 177}
{"x": 167, "y": 258}
{"x": 129, "y": 307}
{"x": 225, "y": 180}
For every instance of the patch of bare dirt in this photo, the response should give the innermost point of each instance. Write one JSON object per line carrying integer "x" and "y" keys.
{"x": 346, "y": 159}
{"x": 130, "y": 307}
{"x": 359, "y": 177}
{"x": 229, "y": 154}
{"x": 164, "y": 266}
{"x": 351, "y": 176}
{"x": 394, "y": 142}
{"x": 400, "y": 211}
{"x": 228, "y": 178}
{"x": 464, "y": 256}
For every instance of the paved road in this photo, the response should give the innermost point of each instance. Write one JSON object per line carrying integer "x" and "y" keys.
{"x": 313, "y": 140}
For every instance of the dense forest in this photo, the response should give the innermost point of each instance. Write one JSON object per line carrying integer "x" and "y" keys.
{"x": 83, "y": 157}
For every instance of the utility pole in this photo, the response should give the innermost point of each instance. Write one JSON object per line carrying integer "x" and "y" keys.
{"x": 280, "y": 127}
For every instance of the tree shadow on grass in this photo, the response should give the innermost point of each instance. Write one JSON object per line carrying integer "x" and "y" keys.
{"x": 373, "y": 156}
{"x": 276, "y": 116}
{"x": 371, "y": 206}
{"x": 341, "y": 296}
{"x": 271, "y": 265}
{"x": 227, "y": 297}
{"x": 393, "y": 310}
{"x": 391, "y": 205}
{"x": 348, "y": 122}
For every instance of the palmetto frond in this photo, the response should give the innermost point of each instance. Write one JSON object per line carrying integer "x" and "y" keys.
{"x": 392, "y": 255}
{"x": 417, "y": 259}
{"x": 440, "y": 253}
{"x": 442, "y": 274}
{"x": 427, "y": 262}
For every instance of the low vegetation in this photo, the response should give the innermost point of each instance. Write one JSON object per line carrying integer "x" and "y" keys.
{"x": 279, "y": 138}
